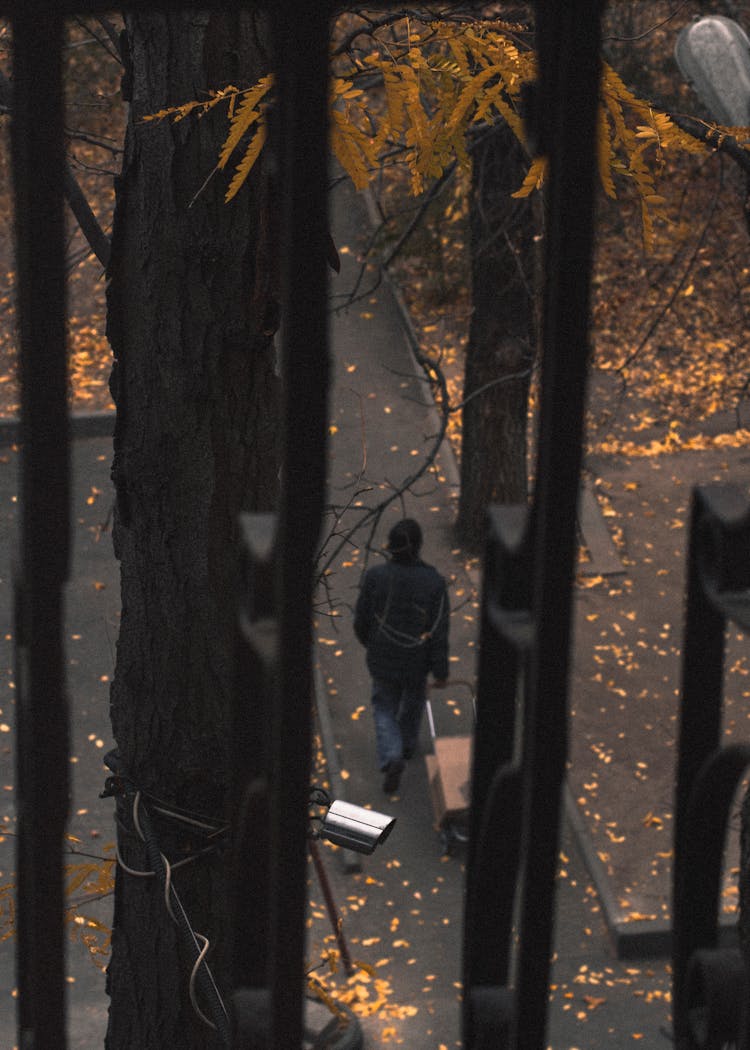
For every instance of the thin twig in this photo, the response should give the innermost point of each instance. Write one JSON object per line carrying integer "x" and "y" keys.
{"x": 662, "y": 313}
{"x": 489, "y": 386}
{"x": 648, "y": 32}
{"x": 110, "y": 47}
{"x": 429, "y": 197}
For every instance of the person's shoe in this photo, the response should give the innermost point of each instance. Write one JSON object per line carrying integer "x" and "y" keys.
{"x": 392, "y": 778}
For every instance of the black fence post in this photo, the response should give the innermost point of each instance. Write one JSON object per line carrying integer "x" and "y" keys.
{"x": 271, "y": 1005}
{"x": 42, "y": 749}
{"x": 710, "y": 984}
{"x": 505, "y": 998}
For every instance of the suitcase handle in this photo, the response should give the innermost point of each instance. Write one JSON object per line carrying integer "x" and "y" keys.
{"x": 449, "y": 682}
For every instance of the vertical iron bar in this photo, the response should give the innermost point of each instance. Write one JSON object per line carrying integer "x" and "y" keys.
{"x": 568, "y": 37}
{"x": 517, "y": 785}
{"x": 494, "y": 860}
{"x": 717, "y": 564}
{"x": 42, "y": 763}
{"x": 699, "y": 737}
{"x": 254, "y": 699}
{"x": 301, "y": 49}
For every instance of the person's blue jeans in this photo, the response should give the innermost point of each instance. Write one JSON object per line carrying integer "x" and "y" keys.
{"x": 397, "y": 707}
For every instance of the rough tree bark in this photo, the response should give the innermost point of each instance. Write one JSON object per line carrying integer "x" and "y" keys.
{"x": 190, "y": 318}
{"x": 500, "y": 350}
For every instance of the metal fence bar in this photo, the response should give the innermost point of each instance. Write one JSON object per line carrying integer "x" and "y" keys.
{"x": 301, "y": 49}
{"x": 506, "y": 994}
{"x": 718, "y": 593}
{"x": 494, "y": 858}
{"x": 568, "y": 43}
{"x": 256, "y": 689}
{"x": 272, "y": 799}
{"x": 42, "y": 762}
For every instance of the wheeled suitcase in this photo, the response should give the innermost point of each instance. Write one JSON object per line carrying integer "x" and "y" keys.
{"x": 449, "y": 776}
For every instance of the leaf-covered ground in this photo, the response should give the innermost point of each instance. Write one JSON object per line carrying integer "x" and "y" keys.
{"x": 667, "y": 410}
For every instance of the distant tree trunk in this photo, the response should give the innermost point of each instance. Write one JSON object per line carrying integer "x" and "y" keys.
{"x": 190, "y": 314}
{"x": 500, "y": 350}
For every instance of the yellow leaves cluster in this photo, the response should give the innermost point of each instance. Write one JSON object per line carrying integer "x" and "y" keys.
{"x": 433, "y": 81}
{"x": 246, "y": 110}
{"x": 364, "y": 992}
{"x": 355, "y": 149}
{"x": 440, "y": 81}
{"x": 435, "y": 84}
{"x": 622, "y": 149}
{"x": 95, "y": 879}
{"x": 638, "y": 916}
{"x": 674, "y": 442}
{"x": 243, "y": 116}
{"x": 89, "y": 361}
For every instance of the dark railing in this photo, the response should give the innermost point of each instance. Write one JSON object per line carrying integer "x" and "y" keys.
{"x": 710, "y": 980}
{"x": 42, "y": 754}
{"x": 523, "y": 677}
{"x": 276, "y": 903}
{"x": 526, "y": 613}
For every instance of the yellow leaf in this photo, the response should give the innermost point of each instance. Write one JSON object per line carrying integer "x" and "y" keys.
{"x": 243, "y": 168}
{"x": 604, "y": 154}
{"x": 534, "y": 178}
{"x": 245, "y": 116}
{"x": 351, "y": 148}
{"x": 593, "y": 1001}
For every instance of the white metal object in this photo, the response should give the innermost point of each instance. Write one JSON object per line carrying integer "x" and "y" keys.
{"x": 713, "y": 53}
{"x": 355, "y": 827}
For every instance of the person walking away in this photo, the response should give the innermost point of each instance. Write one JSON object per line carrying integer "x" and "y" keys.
{"x": 402, "y": 617}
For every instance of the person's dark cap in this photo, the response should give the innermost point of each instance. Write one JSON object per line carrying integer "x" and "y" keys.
{"x": 405, "y": 540}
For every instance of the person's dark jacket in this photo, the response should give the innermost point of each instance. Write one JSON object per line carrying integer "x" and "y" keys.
{"x": 401, "y": 618}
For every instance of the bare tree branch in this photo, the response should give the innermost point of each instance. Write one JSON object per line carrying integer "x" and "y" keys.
{"x": 88, "y": 222}
{"x": 110, "y": 42}
{"x": 708, "y": 133}
{"x": 668, "y": 304}
{"x": 429, "y": 197}
{"x": 94, "y": 140}
{"x": 650, "y": 30}
{"x": 112, "y": 32}
{"x": 490, "y": 386}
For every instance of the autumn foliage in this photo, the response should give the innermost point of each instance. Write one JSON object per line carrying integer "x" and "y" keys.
{"x": 427, "y": 89}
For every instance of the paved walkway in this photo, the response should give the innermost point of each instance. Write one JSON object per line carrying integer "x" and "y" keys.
{"x": 402, "y": 911}
{"x": 92, "y": 624}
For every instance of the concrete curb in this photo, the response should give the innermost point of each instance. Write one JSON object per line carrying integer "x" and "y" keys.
{"x": 449, "y": 463}
{"x": 82, "y": 425}
{"x": 640, "y": 939}
{"x": 350, "y": 1037}
{"x": 645, "y": 938}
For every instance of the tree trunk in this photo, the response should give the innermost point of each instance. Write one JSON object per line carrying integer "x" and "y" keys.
{"x": 500, "y": 350}
{"x": 190, "y": 303}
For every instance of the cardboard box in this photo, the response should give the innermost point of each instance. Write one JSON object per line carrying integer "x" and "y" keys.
{"x": 449, "y": 771}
